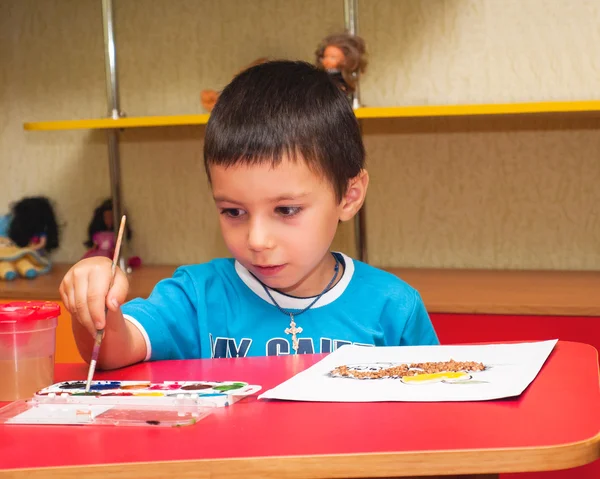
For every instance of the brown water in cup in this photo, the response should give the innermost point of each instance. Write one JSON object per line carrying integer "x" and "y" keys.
{"x": 31, "y": 375}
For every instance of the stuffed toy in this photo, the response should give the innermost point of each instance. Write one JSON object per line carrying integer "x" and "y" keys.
{"x": 208, "y": 98}
{"x": 343, "y": 56}
{"x": 101, "y": 235}
{"x": 27, "y": 235}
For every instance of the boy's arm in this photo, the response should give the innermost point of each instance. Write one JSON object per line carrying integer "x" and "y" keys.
{"x": 122, "y": 345}
{"x": 167, "y": 321}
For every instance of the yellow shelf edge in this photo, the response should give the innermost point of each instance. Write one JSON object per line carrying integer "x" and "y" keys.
{"x": 361, "y": 113}
{"x": 478, "y": 109}
{"x": 107, "y": 123}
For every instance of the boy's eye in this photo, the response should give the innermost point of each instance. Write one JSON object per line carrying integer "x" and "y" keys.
{"x": 232, "y": 212}
{"x": 288, "y": 210}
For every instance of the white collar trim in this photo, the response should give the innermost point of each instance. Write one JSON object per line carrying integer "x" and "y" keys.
{"x": 290, "y": 302}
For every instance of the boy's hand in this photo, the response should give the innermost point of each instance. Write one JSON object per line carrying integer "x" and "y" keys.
{"x": 85, "y": 291}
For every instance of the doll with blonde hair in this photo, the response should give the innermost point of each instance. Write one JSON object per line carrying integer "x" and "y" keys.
{"x": 343, "y": 56}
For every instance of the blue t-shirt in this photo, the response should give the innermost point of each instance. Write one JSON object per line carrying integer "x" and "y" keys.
{"x": 219, "y": 309}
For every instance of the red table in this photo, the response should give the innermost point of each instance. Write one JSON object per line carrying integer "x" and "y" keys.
{"x": 554, "y": 424}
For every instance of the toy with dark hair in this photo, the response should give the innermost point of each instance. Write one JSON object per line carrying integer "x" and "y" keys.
{"x": 344, "y": 57}
{"x": 102, "y": 236}
{"x": 33, "y": 221}
{"x": 286, "y": 109}
{"x": 102, "y": 220}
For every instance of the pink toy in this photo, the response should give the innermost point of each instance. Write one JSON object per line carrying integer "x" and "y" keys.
{"x": 104, "y": 245}
{"x": 101, "y": 237}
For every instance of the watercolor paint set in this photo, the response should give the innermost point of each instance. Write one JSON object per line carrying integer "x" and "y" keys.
{"x": 126, "y": 403}
{"x": 215, "y": 394}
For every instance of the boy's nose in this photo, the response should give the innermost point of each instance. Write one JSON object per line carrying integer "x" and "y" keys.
{"x": 259, "y": 238}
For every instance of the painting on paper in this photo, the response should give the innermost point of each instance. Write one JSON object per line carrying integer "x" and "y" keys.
{"x": 418, "y": 373}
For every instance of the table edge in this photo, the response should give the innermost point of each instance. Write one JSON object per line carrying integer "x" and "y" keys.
{"x": 379, "y": 464}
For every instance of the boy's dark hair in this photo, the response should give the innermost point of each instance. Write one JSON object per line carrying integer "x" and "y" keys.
{"x": 286, "y": 108}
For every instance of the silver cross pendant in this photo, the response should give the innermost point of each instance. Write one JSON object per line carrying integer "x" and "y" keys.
{"x": 293, "y": 330}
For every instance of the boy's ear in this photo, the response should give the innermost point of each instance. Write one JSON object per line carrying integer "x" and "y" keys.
{"x": 355, "y": 196}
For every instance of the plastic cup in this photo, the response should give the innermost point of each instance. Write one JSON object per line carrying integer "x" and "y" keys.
{"x": 27, "y": 347}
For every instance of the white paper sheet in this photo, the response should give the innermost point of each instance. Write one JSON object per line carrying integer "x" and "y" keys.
{"x": 510, "y": 368}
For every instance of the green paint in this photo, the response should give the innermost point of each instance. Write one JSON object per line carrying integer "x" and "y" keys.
{"x": 229, "y": 387}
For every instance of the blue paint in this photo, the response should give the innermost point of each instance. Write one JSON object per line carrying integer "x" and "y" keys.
{"x": 105, "y": 386}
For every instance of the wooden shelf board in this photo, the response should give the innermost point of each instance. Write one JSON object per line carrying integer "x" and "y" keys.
{"x": 566, "y": 293}
{"x": 479, "y": 109}
{"x": 107, "y": 123}
{"x": 45, "y": 287}
{"x": 362, "y": 113}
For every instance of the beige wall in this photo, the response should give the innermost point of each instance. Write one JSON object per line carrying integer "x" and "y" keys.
{"x": 483, "y": 193}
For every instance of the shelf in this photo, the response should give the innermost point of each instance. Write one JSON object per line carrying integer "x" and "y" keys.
{"x": 434, "y": 111}
{"x": 107, "y": 123}
{"x": 566, "y": 293}
{"x": 45, "y": 287}
{"x": 362, "y": 113}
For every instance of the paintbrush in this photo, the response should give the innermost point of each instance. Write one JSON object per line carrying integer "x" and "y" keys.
{"x": 100, "y": 332}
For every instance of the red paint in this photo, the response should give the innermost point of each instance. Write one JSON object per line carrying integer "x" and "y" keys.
{"x": 164, "y": 387}
{"x": 531, "y": 420}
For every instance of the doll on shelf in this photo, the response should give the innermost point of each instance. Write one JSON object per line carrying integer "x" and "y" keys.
{"x": 28, "y": 234}
{"x": 208, "y": 98}
{"x": 344, "y": 57}
{"x": 101, "y": 235}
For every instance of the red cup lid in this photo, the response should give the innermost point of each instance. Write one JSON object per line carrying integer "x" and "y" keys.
{"x": 28, "y": 311}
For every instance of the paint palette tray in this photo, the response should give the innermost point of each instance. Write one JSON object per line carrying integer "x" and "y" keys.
{"x": 126, "y": 403}
{"x": 216, "y": 394}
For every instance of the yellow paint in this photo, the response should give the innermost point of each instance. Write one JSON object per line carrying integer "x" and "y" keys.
{"x": 362, "y": 113}
{"x": 434, "y": 377}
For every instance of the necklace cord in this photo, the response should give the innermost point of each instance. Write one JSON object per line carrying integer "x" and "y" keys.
{"x": 335, "y": 275}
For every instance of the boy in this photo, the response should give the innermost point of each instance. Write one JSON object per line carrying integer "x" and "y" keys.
{"x": 285, "y": 161}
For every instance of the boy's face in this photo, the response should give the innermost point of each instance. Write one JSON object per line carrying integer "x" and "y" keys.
{"x": 279, "y": 222}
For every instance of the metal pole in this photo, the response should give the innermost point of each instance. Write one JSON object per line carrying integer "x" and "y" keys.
{"x": 360, "y": 222}
{"x": 351, "y": 16}
{"x": 110, "y": 60}
{"x": 351, "y": 25}
{"x": 112, "y": 96}
{"x": 360, "y": 227}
